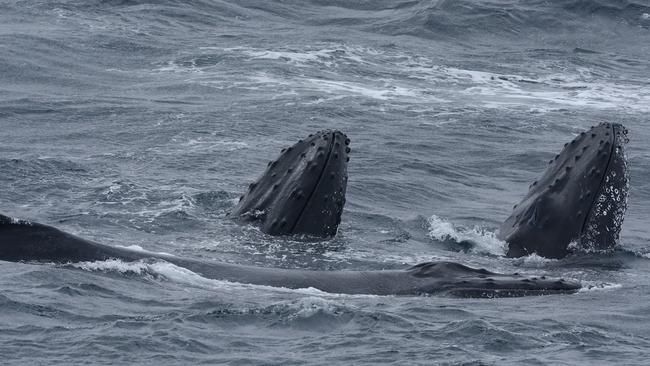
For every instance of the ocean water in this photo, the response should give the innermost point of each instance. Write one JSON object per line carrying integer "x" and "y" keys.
{"x": 139, "y": 123}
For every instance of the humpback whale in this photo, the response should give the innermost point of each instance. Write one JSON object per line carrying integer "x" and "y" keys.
{"x": 303, "y": 191}
{"x": 578, "y": 203}
{"x": 28, "y": 241}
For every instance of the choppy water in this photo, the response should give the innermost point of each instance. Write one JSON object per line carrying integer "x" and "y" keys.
{"x": 140, "y": 122}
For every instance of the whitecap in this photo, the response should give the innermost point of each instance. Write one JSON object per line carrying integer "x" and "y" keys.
{"x": 533, "y": 261}
{"x": 588, "y": 286}
{"x": 162, "y": 270}
{"x": 484, "y": 240}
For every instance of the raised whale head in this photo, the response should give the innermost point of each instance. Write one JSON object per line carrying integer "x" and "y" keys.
{"x": 580, "y": 199}
{"x": 303, "y": 191}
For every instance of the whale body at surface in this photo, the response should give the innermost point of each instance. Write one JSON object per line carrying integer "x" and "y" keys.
{"x": 28, "y": 241}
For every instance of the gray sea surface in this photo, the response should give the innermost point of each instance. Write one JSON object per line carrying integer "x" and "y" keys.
{"x": 139, "y": 123}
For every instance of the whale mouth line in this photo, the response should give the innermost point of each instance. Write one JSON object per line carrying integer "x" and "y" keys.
{"x": 602, "y": 179}
{"x": 579, "y": 202}
{"x": 318, "y": 181}
{"x": 295, "y": 194}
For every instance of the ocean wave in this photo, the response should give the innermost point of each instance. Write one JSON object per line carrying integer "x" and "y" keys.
{"x": 453, "y": 19}
{"x": 333, "y": 71}
{"x": 630, "y": 11}
{"x": 41, "y": 166}
{"x": 442, "y": 19}
{"x": 160, "y": 270}
{"x": 304, "y": 309}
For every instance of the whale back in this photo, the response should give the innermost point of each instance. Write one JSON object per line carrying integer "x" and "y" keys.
{"x": 580, "y": 199}
{"x": 22, "y": 240}
{"x": 28, "y": 241}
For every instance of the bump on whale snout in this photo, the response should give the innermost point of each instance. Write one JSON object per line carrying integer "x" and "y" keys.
{"x": 581, "y": 198}
{"x": 303, "y": 190}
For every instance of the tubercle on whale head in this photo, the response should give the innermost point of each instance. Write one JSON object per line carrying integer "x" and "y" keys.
{"x": 581, "y": 198}
{"x": 303, "y": 190}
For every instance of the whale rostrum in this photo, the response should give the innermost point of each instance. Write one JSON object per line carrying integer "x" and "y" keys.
{"x": 578, "y": 203}
{"x": 303, "y": 190}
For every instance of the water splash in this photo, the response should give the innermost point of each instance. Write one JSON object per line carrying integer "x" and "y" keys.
{"x": 139, "y": 268}
{"x": 588, "y": 286}
{"x": 533, "y": 261}
{"x": 482, "y": 240}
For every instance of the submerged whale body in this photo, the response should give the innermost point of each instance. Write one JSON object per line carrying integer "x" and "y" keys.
{"x": 27, "y": 241}
{"x": 303, "y": 191}
{"x": 579, "y": 202}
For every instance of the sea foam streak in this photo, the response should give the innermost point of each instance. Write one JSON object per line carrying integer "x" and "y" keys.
{"x": 402, "y": 77}
{"x": 160, "y": 269}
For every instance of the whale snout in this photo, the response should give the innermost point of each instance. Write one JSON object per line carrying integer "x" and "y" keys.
{"x": 303, "y": 190}
{"x": 581, "y": 198}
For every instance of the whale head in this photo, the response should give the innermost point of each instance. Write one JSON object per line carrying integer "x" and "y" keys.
{"x": 457, "y": 280}
{"x": 302, "y": 191}
{"x": 578, "y": 203}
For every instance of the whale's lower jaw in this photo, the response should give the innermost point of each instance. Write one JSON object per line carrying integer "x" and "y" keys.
{"x": 28, "y": 241}
{"x": 580, "y": 199}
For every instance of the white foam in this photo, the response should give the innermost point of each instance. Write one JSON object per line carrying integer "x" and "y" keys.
{"x": 157, "y": 268}
{"x": 123, "y": 193}
{"x": 484, "y": 240}
{"x": 338, "y": 89}
{"x": 309, "y": 306}
{"x": 410, "y": 79}
{"x": 533, "y": 261}
{"x": 212, "y": 144}
{"x": 580, "y": 88}
{"x": 350, "y": 88}
{"x": 296, "y": 57}
{"x": 137, "y": 248}
{"x": 114, "y": 265}
{"x": 160, "y": 269}
{"x": 174, "y": 68}
{"x": 590, "y": 287}
{"x": 184, "y": 203}
{"x": 328, "y": 55}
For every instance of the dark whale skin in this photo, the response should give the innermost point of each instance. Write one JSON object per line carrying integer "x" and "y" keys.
{"x": 302, "y": 191}
{"x": 27, "y": 241}
{"x": 579, "y": 202}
